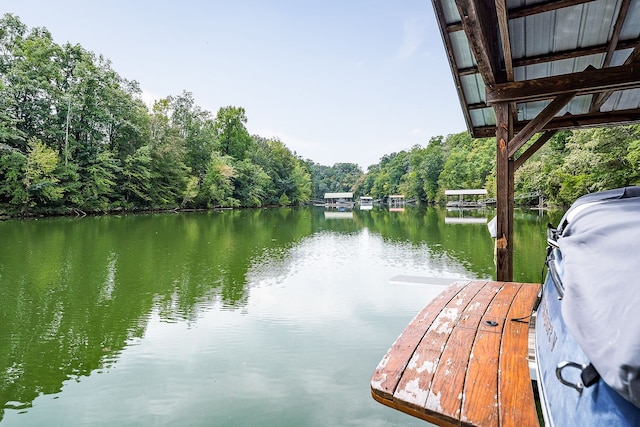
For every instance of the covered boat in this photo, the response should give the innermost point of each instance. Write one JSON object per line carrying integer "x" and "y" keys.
{"x": 588, "y": 321}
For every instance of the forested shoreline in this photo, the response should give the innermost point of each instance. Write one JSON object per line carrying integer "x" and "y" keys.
{"x": 569, "y": 165}
{"x": 76, "y": 137}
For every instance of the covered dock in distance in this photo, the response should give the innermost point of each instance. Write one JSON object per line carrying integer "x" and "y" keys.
{"x": 396, "y": 201}
{"x": 366, "y": 203}
{"x": 338, "y": 200}
{"x": 461, "y": 194}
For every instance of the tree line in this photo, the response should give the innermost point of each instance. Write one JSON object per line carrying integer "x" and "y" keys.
{"x": 570, "y": 164}
{"x": 76, "y": 136}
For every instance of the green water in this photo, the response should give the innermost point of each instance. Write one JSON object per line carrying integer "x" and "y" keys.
{"x": 272, "y": 317}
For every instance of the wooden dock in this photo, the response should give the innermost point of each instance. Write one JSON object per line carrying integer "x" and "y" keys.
{"x": 462, "y": 361}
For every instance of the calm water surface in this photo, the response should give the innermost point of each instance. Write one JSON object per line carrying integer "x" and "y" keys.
{"x": 273, "y": 317}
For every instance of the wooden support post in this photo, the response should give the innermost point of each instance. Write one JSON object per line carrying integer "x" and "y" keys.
{"x": 504, "y": 193}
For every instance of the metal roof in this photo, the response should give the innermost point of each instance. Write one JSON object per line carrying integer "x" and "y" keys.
{"x": 338, "y": 195}
{"x": 552, "y": 48}
{"x": 469, "y": 192}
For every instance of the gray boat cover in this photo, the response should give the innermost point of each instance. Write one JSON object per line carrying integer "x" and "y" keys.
{"x": 599, "y": 239}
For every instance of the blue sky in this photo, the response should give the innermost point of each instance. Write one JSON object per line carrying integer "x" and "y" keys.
{"x": 335, "y": 81}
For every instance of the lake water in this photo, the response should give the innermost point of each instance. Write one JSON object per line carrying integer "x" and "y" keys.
{"x": 266, "y": 317}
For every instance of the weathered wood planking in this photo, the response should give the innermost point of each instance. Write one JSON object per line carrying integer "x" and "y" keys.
{"x": 462, "y": 361}
{"x": 517, "y": 409}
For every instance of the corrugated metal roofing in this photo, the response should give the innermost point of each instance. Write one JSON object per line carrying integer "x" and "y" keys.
{"x": 549, "y": 41}
{"x": 338, "y": 195}
{"x": 469, "y": 192}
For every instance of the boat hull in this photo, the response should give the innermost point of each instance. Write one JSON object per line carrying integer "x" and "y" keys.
{"x": 596, "y": 405}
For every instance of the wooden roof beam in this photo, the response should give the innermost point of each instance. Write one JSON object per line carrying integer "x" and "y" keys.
{"x": 591, "y": 80}
{"x": 454, "y": 27}
{"x": 477, "y": 106}
{"x": 503, "y": 26}
{"x": 619, "y": 117}
{"x": 525, "y": 11}
{"x": 546, "y": 136}
{"x": 539, "y": 122}
{"x": 468, "y": 71}
{"x": 573, "y": 121}
{"x": 598, "y": 100}
{"x": 617, "y": 28}
{"x": 573, "y": 53}
{"x": 634, "y": 58}
{"x": 548, "y": 6}
{"x": 480, "y": 26}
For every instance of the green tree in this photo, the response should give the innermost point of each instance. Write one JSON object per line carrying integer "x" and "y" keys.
{"x": 382, "y": 186}
{"x": 197, "y": 129}
{"x": 8, "y": 129}
{"x": 341, "y": 177}
{"x": 217, "y": 187}
{"x": 541, "y": 173}
{"x": 431, "y": 167}
{"x": 364, "y": 184}
{"x": 233, "y": 138}
{"x": 30, "y": 70}
{"x": 250, "y": 183}
{"x": 596, "y": 160}
{"x": 191, "y": 192}
{"x": 169, "y": 174}
{"x": 318, "y": 178}
{"x": 277, "y": 161}
{"x": 453, "y": 175}
{"x": 12, "y": 172}
{"x": 633, "y": 157}
{"x": 612, "y": 148}
{"x": 412, "y": 183}
{"x": 283, "y": 200}
{"x": 136, "y": 179}
{"x": 345, "y": 176}
{"x": 71, "y": 184}
{"x": 100, "y": 181}
{"x": 40, "y": 180}
{"x": 389, "y": 174}
{"x": 301, "y": 184}
{"x": 469, "y": 163}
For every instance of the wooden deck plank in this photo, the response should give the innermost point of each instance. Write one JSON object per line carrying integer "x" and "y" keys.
{"x": 466, "y": 364}
{"x": 497, "y": 309}
{"x": 480, "y": 395}
{"x": 413, "y": 388}
{"x": 445, "y": 395}
{"x": 389, "y": 371}
{"x": 517, "y": 409}
{"x": 447, "y": 391}
{"x": 481, "y": 388}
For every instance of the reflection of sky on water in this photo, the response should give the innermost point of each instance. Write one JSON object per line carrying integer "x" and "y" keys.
{"x": 328, "y": 262}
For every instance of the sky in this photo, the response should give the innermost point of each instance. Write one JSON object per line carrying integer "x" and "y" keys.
{"x": 336, "y": 80}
